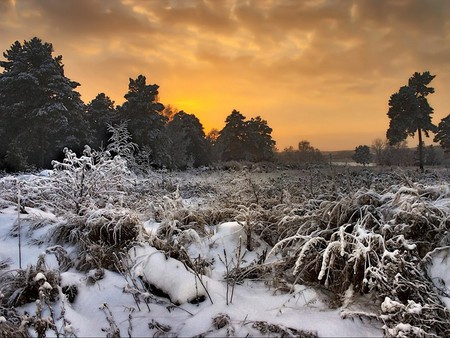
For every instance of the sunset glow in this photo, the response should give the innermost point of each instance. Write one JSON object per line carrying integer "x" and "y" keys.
{"x": 320, "y": 70}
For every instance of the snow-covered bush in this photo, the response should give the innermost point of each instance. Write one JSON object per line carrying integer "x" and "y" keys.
{"x": 373, "y": 244}
{"x": 23, "y": 286}
{"x": 120, "y": 143}
{"x": 89, "y": 181}
{"x": 101, "y": 236}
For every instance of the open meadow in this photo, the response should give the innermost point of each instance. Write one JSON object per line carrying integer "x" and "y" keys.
{"x": 95, "y": 250}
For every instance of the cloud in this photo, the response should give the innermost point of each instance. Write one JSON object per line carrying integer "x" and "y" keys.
{"x": 254, "y": 54}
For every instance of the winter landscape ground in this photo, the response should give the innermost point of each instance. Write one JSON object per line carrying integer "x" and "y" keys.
{"x": 91, "y": 249}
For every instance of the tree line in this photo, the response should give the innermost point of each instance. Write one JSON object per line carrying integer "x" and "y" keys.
{"x": 41, "y": 113}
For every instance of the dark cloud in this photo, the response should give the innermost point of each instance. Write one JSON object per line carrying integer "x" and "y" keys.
{"x": 85, "y": 17}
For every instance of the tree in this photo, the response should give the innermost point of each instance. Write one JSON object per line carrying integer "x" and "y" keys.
{"x": 40, "y": 111}
{"x": 378, "y": 147}
{"x": 211, "y": 137}
{"x": 431, "y": 156}
{"x": 307, "y": 153}
{"x": 169, "y": 112}
{"x": 188, "y": 144}
{"x": 231, "y": 141}
{"x": 398, "y": 154}
{"x": 259, "y": 143}
{"x": 146, "y": 122}
{"x": 443, "y": 134}
{"x": 410, "y": 112}
{"x": 362, "y": 155}
{"x": 100, "y": 113}
{"x": 245, "y": 140}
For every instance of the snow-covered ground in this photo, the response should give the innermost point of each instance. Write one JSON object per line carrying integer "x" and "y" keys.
{"x": 252, "y": 302}
{"x": 158, "y": 295}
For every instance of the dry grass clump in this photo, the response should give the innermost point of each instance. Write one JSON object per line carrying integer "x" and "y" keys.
{"x": 22, "y": 286}
{"x": 277, "y": 330}
{"x": 101, "y": 236}
{"x": 366, "y": 243}
{"x": 11, "y": 324}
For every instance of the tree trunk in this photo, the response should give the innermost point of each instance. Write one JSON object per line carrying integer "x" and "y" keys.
{"x": 419, "y": 131}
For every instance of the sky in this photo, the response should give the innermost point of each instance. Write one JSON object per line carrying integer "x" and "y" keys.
{"x": 316, "y": 70}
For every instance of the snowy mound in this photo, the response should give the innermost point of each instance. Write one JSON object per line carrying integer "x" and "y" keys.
{"x": 229, "y": 232}
{"x": 166, "y": 274}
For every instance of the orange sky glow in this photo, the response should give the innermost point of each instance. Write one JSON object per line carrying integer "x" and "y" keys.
{"x": 319, "y": 70}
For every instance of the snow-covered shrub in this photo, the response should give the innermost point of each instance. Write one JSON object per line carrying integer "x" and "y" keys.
{"x": 101, "y": 236}
{"x": 120, "y": 143}
{"x": 11, "y": 324}
{"x": 22, "y": 286}
{"x": 373, "y": 244}
{"x": 89, "y": 181}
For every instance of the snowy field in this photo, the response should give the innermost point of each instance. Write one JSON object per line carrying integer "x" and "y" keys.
{"x": 96, "y": 251}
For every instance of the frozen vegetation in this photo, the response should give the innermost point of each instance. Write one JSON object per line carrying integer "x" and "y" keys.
{"x": 93, "y": 249}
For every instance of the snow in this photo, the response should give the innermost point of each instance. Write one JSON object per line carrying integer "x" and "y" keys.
{"x": 165, "y": 273}
{"x": 40, "y": 276}
{"x": 439, "y": 271}
{"x": 111, "y": 298}
{"x": 253, "y": 301}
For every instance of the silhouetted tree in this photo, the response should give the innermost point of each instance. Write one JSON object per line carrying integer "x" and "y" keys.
{"x": 40, "y": 111}
{"x": 303, "y": 156}
{"x": 362, "y": 155}
{"x": 100, "y": 113}
{"x": 146, "y": 122}
{"x": 230, "y": 143}
{"x": 211, "y": 137}
{"x": 259, "y": 143}
{"x": 443, "y": 134}
{"x": 188, "y": 144}
{"x": 410, "y": 112}
{"x": 245, "y": 140}
{"x": 307, "y": 153}
{"x": 431, "y": 156}
{"x": 169, "y": 112}
{"x": 378, "y": 146}
{"x": 398, "y": 154}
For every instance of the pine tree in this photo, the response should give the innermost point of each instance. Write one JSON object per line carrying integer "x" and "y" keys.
{"x": 259, "y": 140}
{"x": 146, "y": 121}
{"x": 362, "y": 155}
{"x": 245, "y": 140}
{"x": 410, "y": 112}
{"x": 100, "y": 113}
{"x": 188, "y": 141}
{"x": 39, "y": 108}
{"x": 443, "y": 134}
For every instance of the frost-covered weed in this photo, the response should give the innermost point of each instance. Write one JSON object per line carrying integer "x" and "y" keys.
{"x": 349, "y": 231}
{"x": 373, "y": 244}
{"x": 90, "y": 181}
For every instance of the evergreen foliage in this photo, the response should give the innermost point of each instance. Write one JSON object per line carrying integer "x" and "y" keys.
{"x": 188, "y": 144}
{"x": 410, "y": 112}
{"x": 362, "y": 155}
{"x": 100, "y": 113}
{"x": 146, "y": 122}
{"x": 245, "y": 140}
{"x": 443, "y": 134}
{"x": 39, "y": 106}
